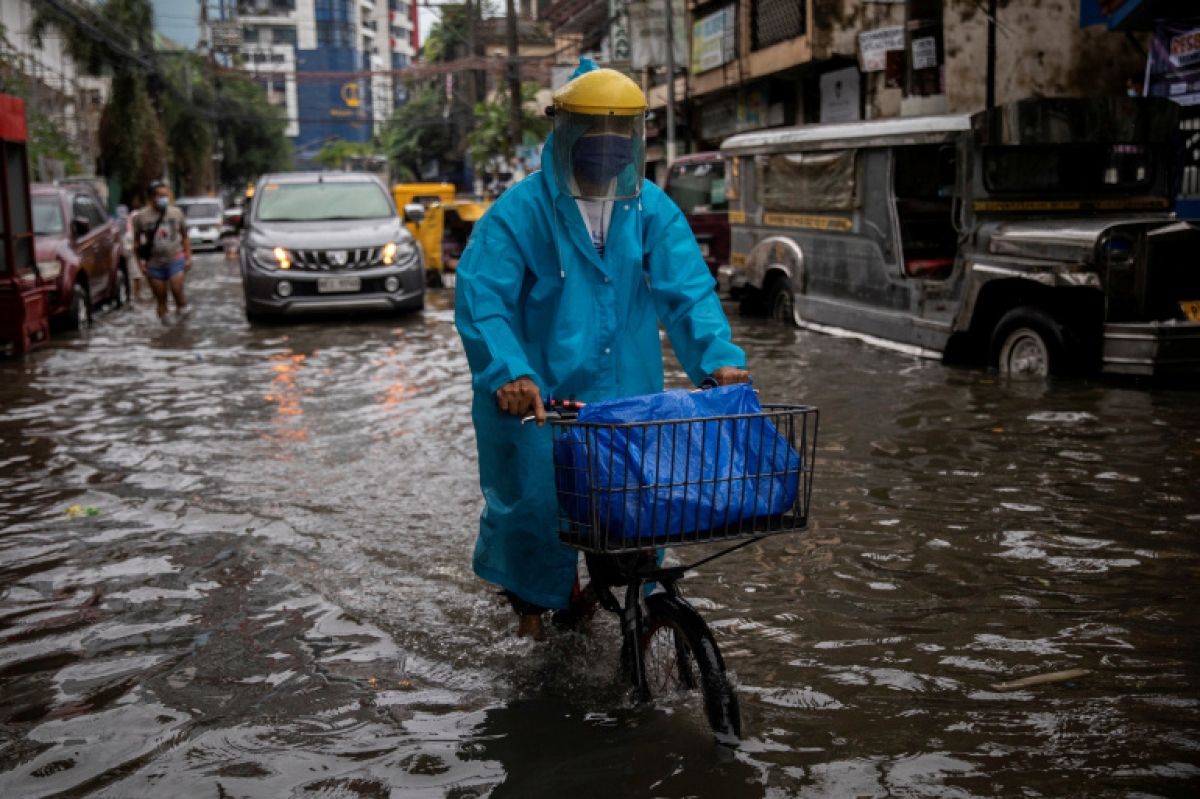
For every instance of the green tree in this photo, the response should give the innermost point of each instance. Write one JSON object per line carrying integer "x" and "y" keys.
{"x": 490, "y": 136}
{"x": 188, "y": 116}
{"x": 337, "y": 153}
{"x": 251, "y": 131}
{"x": 47, "y": 139}
{"x": 116, "y": 38}
{"x": 417, "y": 131}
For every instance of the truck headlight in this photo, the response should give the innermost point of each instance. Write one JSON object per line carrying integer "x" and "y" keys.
{"x": 398, "y": 252}
{"x": 276, "y": 257}
{"x": 49, "y": 270}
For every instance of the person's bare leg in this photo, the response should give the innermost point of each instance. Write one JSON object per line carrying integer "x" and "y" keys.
{"x": 159, "y": 289}
{"x": 530, "y": 626}
{"x": 176, "y": 285}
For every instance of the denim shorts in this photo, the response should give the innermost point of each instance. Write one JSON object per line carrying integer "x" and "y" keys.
{"x": 165, "y": 272}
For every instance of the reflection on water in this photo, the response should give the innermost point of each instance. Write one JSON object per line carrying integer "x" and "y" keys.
{"x": 274, "y": 597}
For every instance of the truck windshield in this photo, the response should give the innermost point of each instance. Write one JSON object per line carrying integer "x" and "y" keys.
{"x": 1079, "y": 169}
{"x": 309, "y": 202}
{"x": 47, "y": 216}
{"x": 698, "y": 187}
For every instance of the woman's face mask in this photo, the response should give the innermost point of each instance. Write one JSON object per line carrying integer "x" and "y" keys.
{"x": 161, "y": 203}
{"x": 599, "y": 159}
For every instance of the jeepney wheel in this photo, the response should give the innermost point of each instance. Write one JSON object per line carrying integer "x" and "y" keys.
{"x": 780, "y": 302}
{"x": 1028, "y": 344}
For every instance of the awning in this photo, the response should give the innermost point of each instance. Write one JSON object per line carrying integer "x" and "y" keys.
{"x": 1113, "y": 13}
{"x": 1129, "y": 15}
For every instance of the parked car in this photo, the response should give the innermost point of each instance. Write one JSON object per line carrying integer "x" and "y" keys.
{"x": 696, "y": 183}
{"x": 327, "y": 241}
{"x": 204, "y": 220}
{"x": 78, "y": 251}
{"x": 1036, "y": 236}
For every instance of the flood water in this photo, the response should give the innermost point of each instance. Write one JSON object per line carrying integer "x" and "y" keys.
{"x": 235, "y": 562}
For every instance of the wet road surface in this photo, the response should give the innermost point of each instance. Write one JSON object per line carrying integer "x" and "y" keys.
{"x": 273, "y": 594}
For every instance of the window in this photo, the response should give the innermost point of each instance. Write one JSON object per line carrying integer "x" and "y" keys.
{"x": 305, "y": 202}
{"x": 202, "y": 210}
{"x": 47, "y": 217}
{"x": 820, "y": 181}
{"x": 698, "y": 187}
{"x": 284, "y": 36}
{"x": 774, "y": 21}
{"x": 1076, "y": 169}
{"x": 250, "y": 34}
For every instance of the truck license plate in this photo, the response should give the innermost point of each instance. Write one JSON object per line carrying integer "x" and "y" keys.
{"x": 1191, "y": 309}
{"x": 334, "y": 285}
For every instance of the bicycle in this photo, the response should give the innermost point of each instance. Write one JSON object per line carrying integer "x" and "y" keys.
{"x": 623, "y": 496}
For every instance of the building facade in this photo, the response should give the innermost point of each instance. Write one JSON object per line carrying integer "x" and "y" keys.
{"x": 756, "y": 64}
{"x": 53, "y": 85}
{"x": 330, "y": 64}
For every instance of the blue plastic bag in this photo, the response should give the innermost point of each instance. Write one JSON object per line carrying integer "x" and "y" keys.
{"x": 665, "y": 482}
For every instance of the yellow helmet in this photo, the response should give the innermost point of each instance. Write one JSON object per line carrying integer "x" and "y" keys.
{"x": 601, "y": 92}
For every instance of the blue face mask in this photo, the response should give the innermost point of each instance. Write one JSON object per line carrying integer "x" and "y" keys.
{"x": 161, "y": 203}
{"x": 599, "y": 159}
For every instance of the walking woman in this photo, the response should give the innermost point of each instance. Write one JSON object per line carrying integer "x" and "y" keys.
{"x": 163, "y": 249}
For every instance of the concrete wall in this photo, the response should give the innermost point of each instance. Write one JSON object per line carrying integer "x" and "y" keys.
{"x": 1041, "y": 50}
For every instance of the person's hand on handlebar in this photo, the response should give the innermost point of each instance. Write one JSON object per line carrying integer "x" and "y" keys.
{"x": 522, "y": 397}
{"x": 729, "y": 375}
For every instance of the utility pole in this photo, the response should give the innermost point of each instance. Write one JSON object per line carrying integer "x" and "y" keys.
{"x": 670, "y": 82}
{"x": 472, "y": 76}
{"x": 514, "y": 79}
{"x": 991, "y": 54}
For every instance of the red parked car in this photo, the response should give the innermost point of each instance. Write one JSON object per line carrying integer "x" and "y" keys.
{"x": 78, "y": 252}
{"x": 696, "y": 183}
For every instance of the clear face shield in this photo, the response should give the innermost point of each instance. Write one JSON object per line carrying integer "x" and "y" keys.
{"x": 599, "y": 157}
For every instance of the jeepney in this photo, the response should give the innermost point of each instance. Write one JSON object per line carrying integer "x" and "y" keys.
{"x": 1035, "y": 237}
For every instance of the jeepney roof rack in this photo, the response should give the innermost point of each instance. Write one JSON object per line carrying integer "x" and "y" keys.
{"x": 881, "y": 132}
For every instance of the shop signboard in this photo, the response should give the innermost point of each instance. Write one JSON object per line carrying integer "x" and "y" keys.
{"x": 1173, "y": 70}
{"x": 713, "y": 39}
{"x": 874, "y": 45}
{"x": 840, "y": 96}
{"x": 924, "y": 53}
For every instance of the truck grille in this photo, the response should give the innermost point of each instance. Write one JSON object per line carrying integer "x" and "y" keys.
{"x": 331, "y": 260}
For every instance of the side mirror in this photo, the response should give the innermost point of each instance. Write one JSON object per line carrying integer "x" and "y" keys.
{"x": 80, "y": 226}
{"x": 414, "y": 212}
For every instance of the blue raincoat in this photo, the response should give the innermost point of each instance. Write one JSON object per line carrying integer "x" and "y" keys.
{"x": 534, "y": 299}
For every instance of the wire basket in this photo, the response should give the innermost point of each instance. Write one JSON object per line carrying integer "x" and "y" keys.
{"x": 638, "y": 485}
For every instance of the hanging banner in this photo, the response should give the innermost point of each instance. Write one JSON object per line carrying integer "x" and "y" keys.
{"x": 714, "y": 40}
{"x": 648, "y": 33}
{"x": 1173, "y": 70}
{"x": 618, "y": 31}
{"x": 873, "y": 47}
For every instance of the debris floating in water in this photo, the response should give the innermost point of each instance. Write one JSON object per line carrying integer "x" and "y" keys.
{"x": 75, "y": 511}
{"x": 1041, "y": 679}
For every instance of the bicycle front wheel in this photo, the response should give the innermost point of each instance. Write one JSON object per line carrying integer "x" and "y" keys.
{"x": 682, "y": 662}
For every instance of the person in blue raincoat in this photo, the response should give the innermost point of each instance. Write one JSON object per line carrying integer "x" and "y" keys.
{"x": 560, "y": 292}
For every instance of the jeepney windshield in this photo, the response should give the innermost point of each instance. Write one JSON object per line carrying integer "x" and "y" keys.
{"x": 698, "y": 187}
{"x": 1077, "y": 169}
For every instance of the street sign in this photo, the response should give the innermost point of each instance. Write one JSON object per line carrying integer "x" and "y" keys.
{"x": 226, "y": 35}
